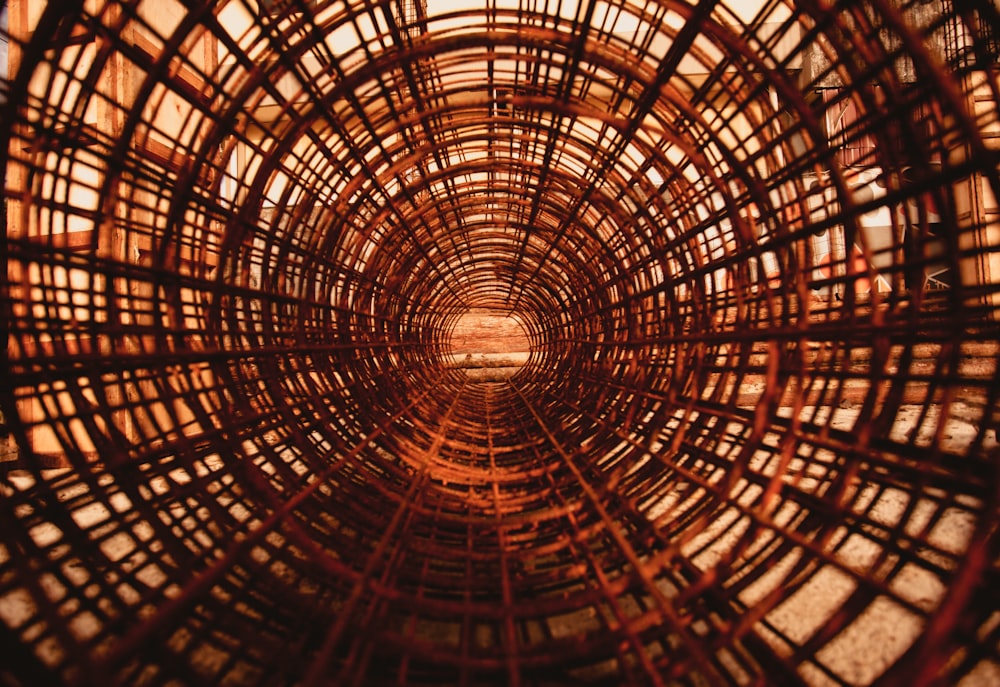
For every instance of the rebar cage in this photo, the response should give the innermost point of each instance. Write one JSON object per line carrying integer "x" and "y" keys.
{"x": 747, "y": 259}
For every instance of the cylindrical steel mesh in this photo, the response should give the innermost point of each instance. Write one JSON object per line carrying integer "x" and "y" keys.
{"x": 733, "y": 271}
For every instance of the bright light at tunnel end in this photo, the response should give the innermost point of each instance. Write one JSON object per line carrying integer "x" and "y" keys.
{"x": 487, "y": 345}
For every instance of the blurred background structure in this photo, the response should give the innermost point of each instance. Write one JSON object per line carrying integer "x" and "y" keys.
{"x": 500, "y": 342}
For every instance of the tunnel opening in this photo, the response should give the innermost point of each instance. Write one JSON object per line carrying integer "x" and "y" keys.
{"x": 488, "y": 344}
{"x": 747, "y": 250}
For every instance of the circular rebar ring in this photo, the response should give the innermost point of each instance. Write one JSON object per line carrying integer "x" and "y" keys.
{"x": 533, "y": 343}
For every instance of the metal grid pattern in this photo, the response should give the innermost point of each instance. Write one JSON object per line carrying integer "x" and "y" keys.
{"x": 754, "y": 441}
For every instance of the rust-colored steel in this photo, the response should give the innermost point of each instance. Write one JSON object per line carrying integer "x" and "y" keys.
{"x": 749, "y": 252}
